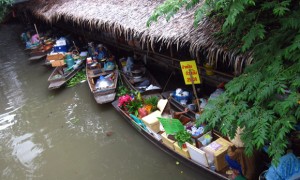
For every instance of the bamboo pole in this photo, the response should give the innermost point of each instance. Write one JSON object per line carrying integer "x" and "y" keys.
{"x": 36, "y": 31}
{"x": 194, "y": 89}
{"x": 167, "y": 81}
{"x": 75, "y": 47}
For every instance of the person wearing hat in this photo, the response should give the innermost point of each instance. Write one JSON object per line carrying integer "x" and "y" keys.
{"x": 243, "y": 166}
{"x": 101, "y": 52}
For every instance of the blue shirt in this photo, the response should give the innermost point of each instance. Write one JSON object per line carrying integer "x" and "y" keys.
{"x": 101, "y": 54}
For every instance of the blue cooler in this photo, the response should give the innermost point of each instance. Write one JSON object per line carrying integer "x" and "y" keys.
{"x": 60, "y": 45}
{"x": 60, "y": 48}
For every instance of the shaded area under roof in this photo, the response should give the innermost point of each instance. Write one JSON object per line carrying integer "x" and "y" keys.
{"x": 129, "y": 17}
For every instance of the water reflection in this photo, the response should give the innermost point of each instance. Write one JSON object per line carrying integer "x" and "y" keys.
{"x": 79, "y": 118}
{"x": 11, "y": 94}
{"x": 7, "y": 119}
{"x": 26, "y": 151}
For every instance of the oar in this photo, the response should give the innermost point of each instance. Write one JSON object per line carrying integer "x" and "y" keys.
{"x": 168, "y": 81}
{"x": 76, "y": 47}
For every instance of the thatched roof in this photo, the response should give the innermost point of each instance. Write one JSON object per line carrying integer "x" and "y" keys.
{"x": 129, "y": 17}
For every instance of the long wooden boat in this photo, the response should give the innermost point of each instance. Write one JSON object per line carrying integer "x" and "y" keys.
{"x": 61, "y": 75}
{"x": 156, "y": 139}
{"x": 134, "y": 82}
{"x": 40, "y": 52}
{"x": 103, "y": 95}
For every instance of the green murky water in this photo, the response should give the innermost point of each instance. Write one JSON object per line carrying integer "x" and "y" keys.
{"x": 63, "y": 134}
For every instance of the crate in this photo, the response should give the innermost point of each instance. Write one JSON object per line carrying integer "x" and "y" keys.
{"x": 57, "y": 56}
{"x": 57, "y": 63}
{"x": 183, "y": 152}
{"x": 216, "y": 151}
{"x": 151, "y": 120}
{"x": 168, "y": 142}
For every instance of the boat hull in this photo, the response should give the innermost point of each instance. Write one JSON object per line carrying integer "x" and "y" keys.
{"x": 192, "y": 164}
{"x": 57, "y": 83}
{"x": 129, "y": 82}
{"x": 101, "y": 96}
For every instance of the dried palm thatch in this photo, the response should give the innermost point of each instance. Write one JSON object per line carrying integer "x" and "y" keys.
{"x": 129, "y": 17}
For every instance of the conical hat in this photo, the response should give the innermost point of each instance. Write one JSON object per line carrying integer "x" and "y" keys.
{"x": 161, "y": 104}
{"x": 237, "y": 138}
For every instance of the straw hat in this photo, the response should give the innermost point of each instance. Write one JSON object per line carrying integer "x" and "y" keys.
{"x": 161, "y": 104}
{"x": 237, "y": 138}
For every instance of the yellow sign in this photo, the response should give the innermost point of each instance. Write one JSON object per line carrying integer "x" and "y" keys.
{"x": 189, "y": 68}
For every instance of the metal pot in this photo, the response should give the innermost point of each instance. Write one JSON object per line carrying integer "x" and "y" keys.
{"x": 137, "y": 73}
{"x": 191, "y": 107}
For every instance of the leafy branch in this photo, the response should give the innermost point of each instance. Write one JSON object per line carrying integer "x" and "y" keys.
{"x": 264, "y": 100}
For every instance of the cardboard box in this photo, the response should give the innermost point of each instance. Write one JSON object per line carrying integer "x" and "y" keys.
{"x": 197, "y": 155}
{"x": 168, "y": 142}
{"x": 217, "y": 151}
{"x": 57, "y": 63}
{"x": 57, "y": 56}
{"x": 183, "y": 152}
{"x": 151, "y": 120}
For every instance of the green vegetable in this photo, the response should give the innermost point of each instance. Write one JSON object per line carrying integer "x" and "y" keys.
{"x": 183, "y": 137}
{"x": 80, "y": 76}
{"x": 122, "y": 90}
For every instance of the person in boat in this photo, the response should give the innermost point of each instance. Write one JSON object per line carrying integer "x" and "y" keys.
{"x": 35, "y": 39}
{"x": 91, "y": 49}
{"x": 179, "y": 113}
{"x": 241, "y": 164}
{"x": 101, "y": 52}
{"x": 110, "y": 64}
{"x": 25, "y": 36}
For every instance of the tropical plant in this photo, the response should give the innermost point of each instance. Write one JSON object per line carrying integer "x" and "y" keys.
{"x": 265, "y": 98}
{"x": 152, "y": 100}
{"x": 4, "y": 4}
{"x": 122, "y": 90}
{"x": 133, "y": 106}
{"x": 182, "y": 137}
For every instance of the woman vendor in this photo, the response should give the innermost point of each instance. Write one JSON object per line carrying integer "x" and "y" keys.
{"x": 243, "y": 166}
{"x": 110, "y": 64}
{"x": 101, "y": 52}
{"x": 35, "y": 39}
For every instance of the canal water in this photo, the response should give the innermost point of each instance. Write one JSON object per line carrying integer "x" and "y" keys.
{"x": 64, "y": 134}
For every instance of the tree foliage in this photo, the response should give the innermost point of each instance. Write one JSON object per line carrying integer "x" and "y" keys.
{"x": 3, "y": 8}
{"x": 265, "y": 98}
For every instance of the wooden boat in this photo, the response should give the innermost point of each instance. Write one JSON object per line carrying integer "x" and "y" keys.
{"x": 40, "y": 52}
{"x": 156, "y": 139}
{"x": 134, "y": 81}
{"x": 61, "y": 75}
{"x": 103, "y": 95}
{"x": 38, "y": 57}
